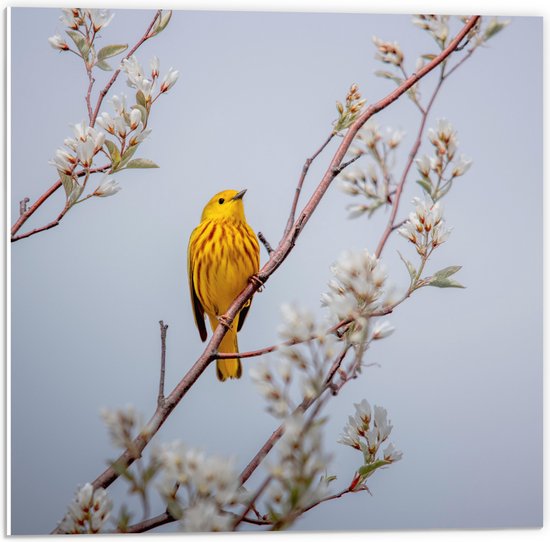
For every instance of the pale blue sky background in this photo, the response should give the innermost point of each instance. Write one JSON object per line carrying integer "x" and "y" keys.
{"x": 462, "y": 375}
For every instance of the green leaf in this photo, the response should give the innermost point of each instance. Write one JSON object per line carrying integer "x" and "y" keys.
{"x": 75, "y": 194}
{"x": 113, "y": 152}
{"x": 102, "y": 65}
{"x": 140, "y": 98}
{"x": 429, "y": 57}
{"x": 366, "y": 470}
{"x": 111, "y": 50}
{"x": 426, "y": 185}
{"x": 448, "y": 271}
{"x": 493, "y": 28}
{"x": 409, "y": 265}
{"x": 140, "y": 163}
{"x": 67, "y": 182}
{"x": 162, "y": 22}
{"x": 80, "y": 42}
{"x": 388, "y": 75}
{"x": 444, "y": 283}
{"x": 127, "y": 155}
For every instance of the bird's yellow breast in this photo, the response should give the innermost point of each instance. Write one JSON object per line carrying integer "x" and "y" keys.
{"x": 226, "y": 254}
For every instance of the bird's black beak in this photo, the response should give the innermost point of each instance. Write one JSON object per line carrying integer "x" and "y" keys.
{"x": 239, "y": 195}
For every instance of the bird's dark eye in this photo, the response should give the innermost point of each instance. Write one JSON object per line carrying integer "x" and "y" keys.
{"x": 221, "y": 200}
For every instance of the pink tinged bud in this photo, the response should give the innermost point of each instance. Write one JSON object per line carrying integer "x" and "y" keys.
{"x": 99, "y": 141}
{"x": 57, "y": 42}
{"x": 169, "y": 80}
{"x": 85, "y": 152}
{"x": 155, "y": 66}
{"x": 106, "y": 122}
{"x": 120, "y": 126}
{"x": 107, "y": 188}
{"x": 135, "y": 118}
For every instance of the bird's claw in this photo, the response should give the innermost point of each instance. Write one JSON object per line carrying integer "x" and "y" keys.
{"x": 224, "y": 322}
{"x": 257, "y": 281}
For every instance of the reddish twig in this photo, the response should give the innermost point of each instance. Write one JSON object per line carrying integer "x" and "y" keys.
{"x": 414, "y": 150}
{"x": 276, "y": 259}
{"x": 25, "y": 216}
{"x": 163, "y": 330}
{"x": 252, "y": 501}
{"x": 301, "y": 180}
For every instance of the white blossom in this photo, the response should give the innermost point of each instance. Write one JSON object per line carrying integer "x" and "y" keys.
{"x": 298, "y": 323}
{"x": 391, "y": 454}
{"x": 135, "y": 118}
{"x": 461, "y": 166}
{"x": 423, "y": 165}
{"x": 169, "y": 80}
{"x": 100, "y": 18}
{"x": 108, "y": 187}
{"x": 382, "y": 423}
{"x": 106, "y": 122}
{"x": 64, "y": 161}
{"x": 382, "y": 329}
{"x": 357, "y": 285}
{"x": 121, "y": 424}
{"x": 155, "y": 66}
{"x": 88, "y": 512}
{"x": 57, "y": 42}
{"x": 436, "y": 25}
{"x": 119, "y": 104}
{"x": 425, "y": 225}
{"x": 136, "y": 77}
{"x": 388, "y": 52}
{"x": 85, "y": 152}
{"x": 72, "y": 17}
{"x": 205, "y": 516}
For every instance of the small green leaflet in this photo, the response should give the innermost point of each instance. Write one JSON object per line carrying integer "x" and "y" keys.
{"x": 441, "y": 278}
{"x": 140, "y": 163}
{"x": 111, "y": 50}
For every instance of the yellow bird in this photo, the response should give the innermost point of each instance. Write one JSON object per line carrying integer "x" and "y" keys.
{"x": 223, "y": 254}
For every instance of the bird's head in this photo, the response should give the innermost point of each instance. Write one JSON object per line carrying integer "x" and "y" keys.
{"x": 226, "y": 204}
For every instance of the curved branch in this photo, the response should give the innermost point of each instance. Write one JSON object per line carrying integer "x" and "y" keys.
{"x": 30, "y": 211}
{"x": 276, "y": 259}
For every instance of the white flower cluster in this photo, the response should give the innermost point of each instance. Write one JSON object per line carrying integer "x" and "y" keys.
{"x": 309, "y": 360}
{"x": 436, "y": 25}
{"x": 388, "y": 52}
{"x": 299, "y": 472}
{"x": 211, "y": 485}
{"x": 439, "y": 171}
{"x": 127, "y": 125}
{"x": 425, "y": 228}
{"x": 80, "y": 149}
{"x": 122, "y": 425}
{"x": 147, "y": 85}
{"x": 366, "y": 432}
{"x": 374, "y": 183}
{"x": 88, "y": 512}
{"x": 356, "y": 286}
{"x": 74, "y": 18}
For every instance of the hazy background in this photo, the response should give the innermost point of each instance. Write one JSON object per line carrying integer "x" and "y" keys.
{"x": 462, "y": 375}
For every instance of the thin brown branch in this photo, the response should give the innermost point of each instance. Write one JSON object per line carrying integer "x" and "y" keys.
{"x": 149, "y": 524}
{"x": 48, "y": 226}
{"x": 252, "y": 501}
{"x": 276, "y": 259}
{"x": 163, "y": 330}
{"x": 265, "y": 243}
{"x": 107, "y": 87}
{"x": 301, "y": 180}
{"x": 412, "y": 155}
